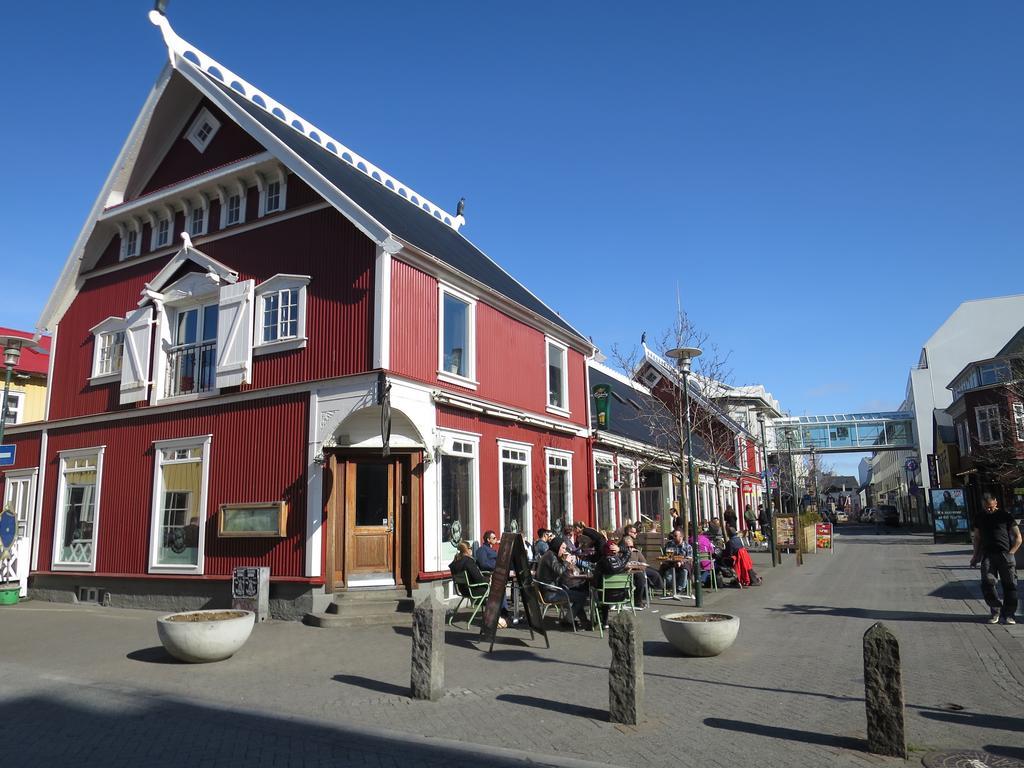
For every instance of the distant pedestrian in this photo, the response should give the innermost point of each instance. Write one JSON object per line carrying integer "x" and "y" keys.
{"x": 730, "y": 518}
{"x": 996, "y": 538}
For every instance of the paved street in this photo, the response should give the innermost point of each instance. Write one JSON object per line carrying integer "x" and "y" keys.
{"x": 90, "y": 685}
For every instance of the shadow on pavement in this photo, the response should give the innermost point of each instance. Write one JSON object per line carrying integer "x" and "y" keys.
{"x": 954, "y": 553}
{"x": 956, "y": 590}
{"x": 579, "y": 710}
{"x": 999, "y": 722}
{"x": 773, "y": 690}
{"x": 1014, "y": 752}
{"x": 787, "y": 734}
{"x": 373, "y": 685}
{"x": 155, "y": 655}
{"x": 874, "y": 614}
{"x": 133, "y": 730}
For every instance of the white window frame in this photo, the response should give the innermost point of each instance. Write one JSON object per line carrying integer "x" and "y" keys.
{"x": 225, "y": 193}
{"x": 275, "y": 285}
{"x": 527, "y": 448}
{"x": 551, "y": 458}
{"x": 191, "y": 208}
{"x": 608, "y": 461}
{"x": 1018, "y": 421}
{"x": 20, "y": 495}
{"x": 627, "y": 467}
{"x": 963, "y": 437}
{"x": 469, "y": 380}
{"x": 445, "y": 447}
{"x": 194, "y": 130}
{"x": 131, "y": 238}
{"x": 15, "y": 405}
{"x": 58, "y": 528}
{"x": 986, "y": 418}
{"x": 105, "y": 329}
{"x": 263, "y": 182}
{"x": 197, "y": 291}
{"x": 156, "y": 503}
{"x": 561, "y": 410}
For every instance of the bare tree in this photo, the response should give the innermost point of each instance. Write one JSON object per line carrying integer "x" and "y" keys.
{"x": 713, "y": 432}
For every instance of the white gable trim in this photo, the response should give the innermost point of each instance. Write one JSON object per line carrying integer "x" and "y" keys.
{"x": 187, "y": 253}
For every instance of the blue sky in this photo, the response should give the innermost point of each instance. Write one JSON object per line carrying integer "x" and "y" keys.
{"x": 822, "y": 183}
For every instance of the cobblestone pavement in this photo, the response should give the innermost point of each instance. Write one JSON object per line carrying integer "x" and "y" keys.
{"x": 90, "y": 685}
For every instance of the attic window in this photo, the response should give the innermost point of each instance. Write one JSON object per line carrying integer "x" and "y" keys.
{"x": 203, "y": 129}
{"x": 130, "y": 237}
{"x": 273, "y": 187}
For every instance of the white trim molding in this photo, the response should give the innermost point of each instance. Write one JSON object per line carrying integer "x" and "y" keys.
{"x": 60, "y": 522}
{"x": 202, "y": 442}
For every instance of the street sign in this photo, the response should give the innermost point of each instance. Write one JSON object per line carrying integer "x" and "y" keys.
{"x": 933, "y": 471}
{"x": 910, "y": 464}
{"x": 7, "y": 454}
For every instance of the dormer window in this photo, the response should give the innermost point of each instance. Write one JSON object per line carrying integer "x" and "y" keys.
{"x": 129, "y": 239}
{"x": 232, "y": 204}
{"x": 202, "y": 130}
{"x": 195, "y": 215}
{"x": 162, "y": 233}
{"x": 273, "y": 189}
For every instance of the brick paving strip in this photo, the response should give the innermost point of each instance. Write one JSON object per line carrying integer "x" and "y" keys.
{"x": 86, "y": 684}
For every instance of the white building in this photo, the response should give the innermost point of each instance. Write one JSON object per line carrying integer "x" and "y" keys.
{"x": 976, "y": 330}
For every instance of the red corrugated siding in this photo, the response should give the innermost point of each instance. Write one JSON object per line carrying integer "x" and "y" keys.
{"x": 511, "y": 356}
{"x": 490, "y": 431}
{"x": 322, "y": 244}
{"x": 257, "y": 453}
{"x": 183, "y": 160}
{"x": 413, "y": 322}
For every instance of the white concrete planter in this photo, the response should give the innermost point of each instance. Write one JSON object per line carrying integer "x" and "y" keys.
{"x": 708, "y": 637}
{"x": 201, "y": 636}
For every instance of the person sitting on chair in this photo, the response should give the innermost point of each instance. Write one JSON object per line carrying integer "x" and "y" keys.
{"x": 557, "y": 567}
{"x": 487, "y": 553}
{"x": 678, "y": 572}
{"x": 707, "y": 555}
{"x": 642, "y": 577}
{"x": 738, "y": 559}
{"x": 540, "y": 546}
{"x": 612, "y": 562}
{"x": 465, "y": 564}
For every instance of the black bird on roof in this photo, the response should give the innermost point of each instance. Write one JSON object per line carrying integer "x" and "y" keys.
{"x": 160, "y": 6}
{"x": 460, "y": 207}
{"x": 643, "y": 337}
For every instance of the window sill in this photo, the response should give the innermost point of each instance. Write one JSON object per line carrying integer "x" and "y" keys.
{"x": 284, "y": 345}
{"x": 563, "y": 412}
{"x": 73, "y": 567}
{"x": 188, "y": 398}
{"x": 174, "y": 570}
{"x": 107, "y": 378}
{"x": 461, "y": 381}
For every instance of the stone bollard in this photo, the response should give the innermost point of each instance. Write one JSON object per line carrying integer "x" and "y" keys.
{"x": 626, "y": 673}
{"x": 883, "y": 692}
{"x": 427, "y": 680}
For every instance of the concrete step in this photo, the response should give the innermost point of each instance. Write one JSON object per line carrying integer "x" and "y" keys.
{"x": 334, "y": 621}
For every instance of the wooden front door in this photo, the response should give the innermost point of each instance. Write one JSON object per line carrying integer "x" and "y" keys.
{"x": 371, "y": 496}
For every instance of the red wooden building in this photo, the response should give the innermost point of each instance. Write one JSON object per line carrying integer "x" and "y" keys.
{"x": 269, "y": 351}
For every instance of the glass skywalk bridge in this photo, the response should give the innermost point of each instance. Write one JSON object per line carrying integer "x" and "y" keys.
{"x": 845, "y": 432}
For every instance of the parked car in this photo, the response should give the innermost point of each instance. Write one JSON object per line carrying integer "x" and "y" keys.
{"x": 890, "y": 515}
{"x": 867, "y": 515}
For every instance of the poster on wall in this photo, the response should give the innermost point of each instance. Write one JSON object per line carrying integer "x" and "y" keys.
{"x": 949, "y": 507}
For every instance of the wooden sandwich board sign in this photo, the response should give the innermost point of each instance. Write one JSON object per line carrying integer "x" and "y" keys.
{"x": 511, "y": 557}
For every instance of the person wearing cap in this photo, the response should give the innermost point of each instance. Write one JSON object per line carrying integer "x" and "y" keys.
{"x": 556, "y": 567}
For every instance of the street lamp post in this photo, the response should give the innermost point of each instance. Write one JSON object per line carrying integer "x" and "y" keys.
{"x": 796, "y": 506}
{"x": 767, "y": 491}
{"x": 814, "y": 479}
{"x": 12, "y": 353}
{"x": 683, "y": 356}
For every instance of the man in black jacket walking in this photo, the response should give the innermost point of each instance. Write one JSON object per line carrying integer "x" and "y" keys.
{"x": 996, "y": 538}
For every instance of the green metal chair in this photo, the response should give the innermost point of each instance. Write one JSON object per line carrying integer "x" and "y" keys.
{"x": 601, "y": 597}
{"x": 475, "y": 593}
{"x": 560, "y": 602}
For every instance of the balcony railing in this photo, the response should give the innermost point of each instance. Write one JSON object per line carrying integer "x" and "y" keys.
{"x": 191, "y": 369}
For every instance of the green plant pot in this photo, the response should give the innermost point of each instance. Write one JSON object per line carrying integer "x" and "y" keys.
{"x": 9, "y": 594}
